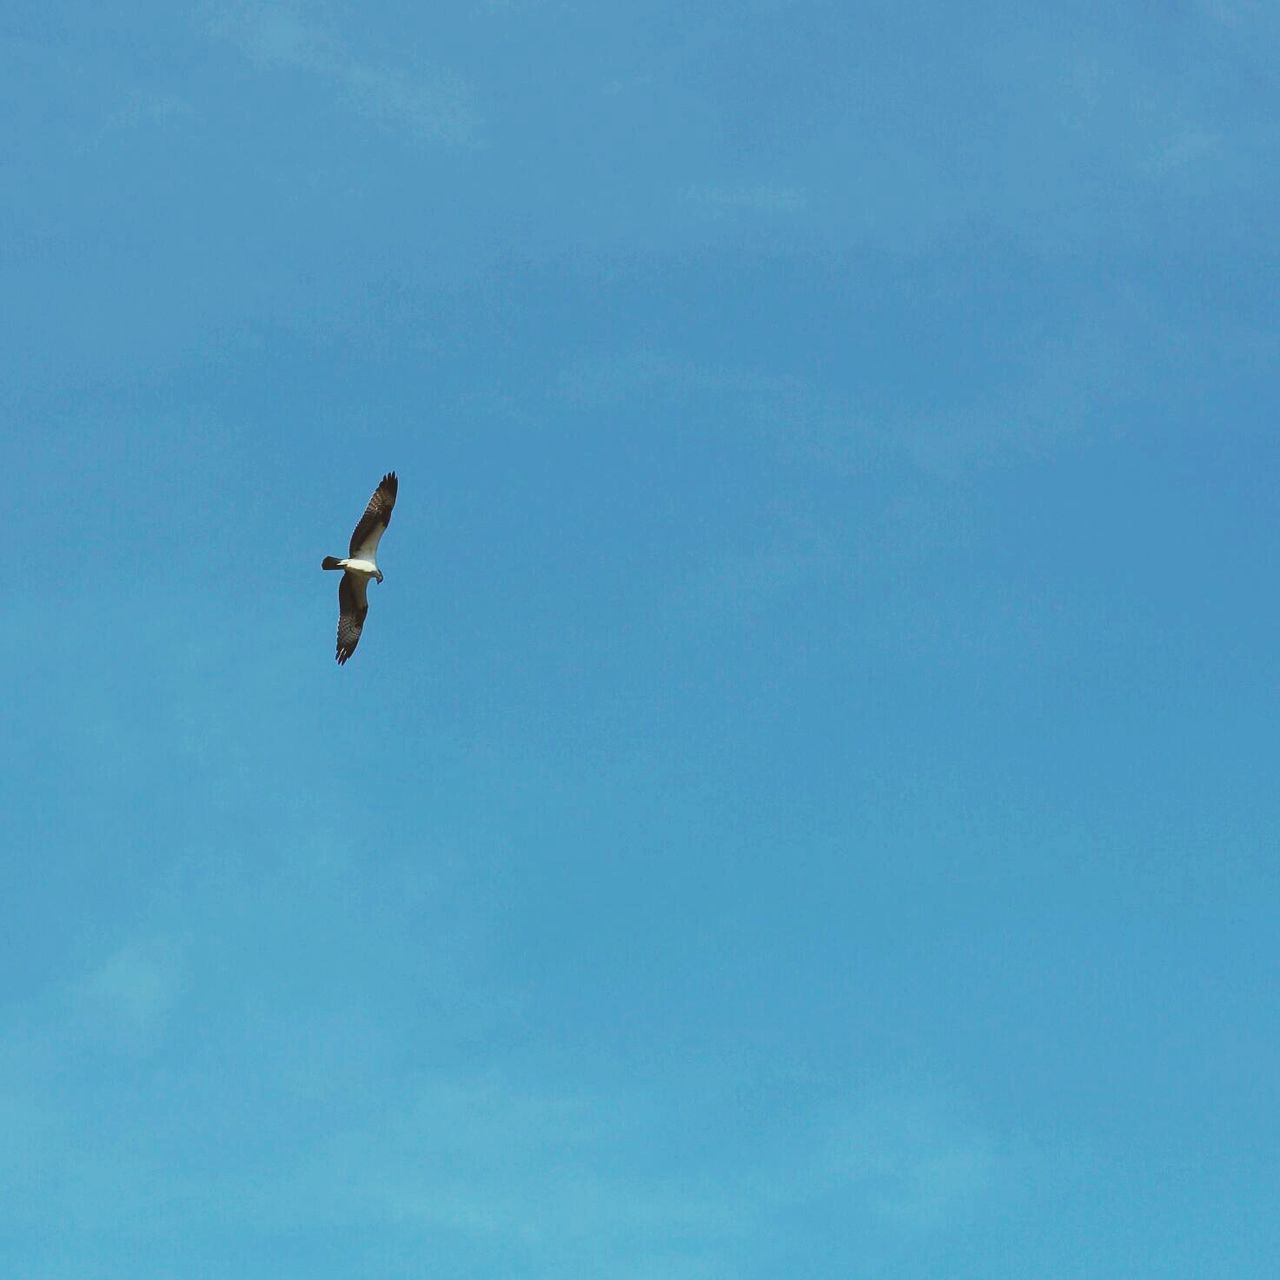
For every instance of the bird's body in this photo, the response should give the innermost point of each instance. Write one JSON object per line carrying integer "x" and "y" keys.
{"x": 363, "y": 568}
{"x": 360, "y": 564}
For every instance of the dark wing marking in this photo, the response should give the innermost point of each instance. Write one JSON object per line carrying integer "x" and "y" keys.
{"x": 377, "y": 515}
{"x": 353, "y": 605}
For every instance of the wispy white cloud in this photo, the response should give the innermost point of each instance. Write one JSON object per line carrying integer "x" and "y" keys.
{"x": 767, "y": 198}
{"x": 276, "y": 35}
{"x": 434, "y": 107}
{"x": 919, "y": 1167}
{"x": 1029, "y": 414}
{"x": 1071, "y": 388}
{"x": 129, "y": 994}
{"x": 144, "y": 107}
{"x": 1234, "y": 12}
{"x": 556, "y": 1179}
{"x": 551, "y": 1181}
{"x": 1183, "y": 149}
{"x": 738, "y": 588}
{"x": 546, "y": 1173}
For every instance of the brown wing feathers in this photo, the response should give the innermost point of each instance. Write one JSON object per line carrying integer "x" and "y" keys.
{"x": 353, "y": 605}
{"x": 377, "y": 515}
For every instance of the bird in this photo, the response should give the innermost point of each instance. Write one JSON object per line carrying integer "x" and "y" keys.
{"x": 361, "y": 564}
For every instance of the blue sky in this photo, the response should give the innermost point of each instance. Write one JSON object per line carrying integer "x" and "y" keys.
{"x": 803, "y": 804}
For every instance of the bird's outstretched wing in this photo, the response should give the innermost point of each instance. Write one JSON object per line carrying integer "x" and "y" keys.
{"x": 353, "y": 605}
{"x": 377, "y": 515}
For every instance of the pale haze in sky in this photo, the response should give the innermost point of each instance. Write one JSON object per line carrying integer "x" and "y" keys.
{"x": 804, "y": 803}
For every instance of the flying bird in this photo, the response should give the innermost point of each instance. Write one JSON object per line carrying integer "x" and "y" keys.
{"x": 360, "y": 565}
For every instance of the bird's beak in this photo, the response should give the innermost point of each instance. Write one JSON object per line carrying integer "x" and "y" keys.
{"x": 379, "y": 577}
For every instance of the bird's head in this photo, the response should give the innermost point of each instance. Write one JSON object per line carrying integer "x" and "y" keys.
{"x": 378, "y": 575}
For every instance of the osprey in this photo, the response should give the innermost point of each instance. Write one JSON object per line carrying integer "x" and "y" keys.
{"x": 360, "y": 565}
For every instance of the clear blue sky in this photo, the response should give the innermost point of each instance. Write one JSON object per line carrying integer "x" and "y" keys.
{"x": 804, "y": 804}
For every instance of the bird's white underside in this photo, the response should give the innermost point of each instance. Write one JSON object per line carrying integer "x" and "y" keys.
{"x": 364, "y": 568}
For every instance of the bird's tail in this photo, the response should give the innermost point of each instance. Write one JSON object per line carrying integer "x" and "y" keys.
{"x": 330, "y": 562}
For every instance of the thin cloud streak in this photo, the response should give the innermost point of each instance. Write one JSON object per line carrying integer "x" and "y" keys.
{"x": 434, "y": 109}
{"x": 568, "y": 1179}
{"x": 128, "y": 997}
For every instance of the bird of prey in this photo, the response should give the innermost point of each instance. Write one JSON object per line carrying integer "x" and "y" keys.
{"x": 360, "y": 565}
